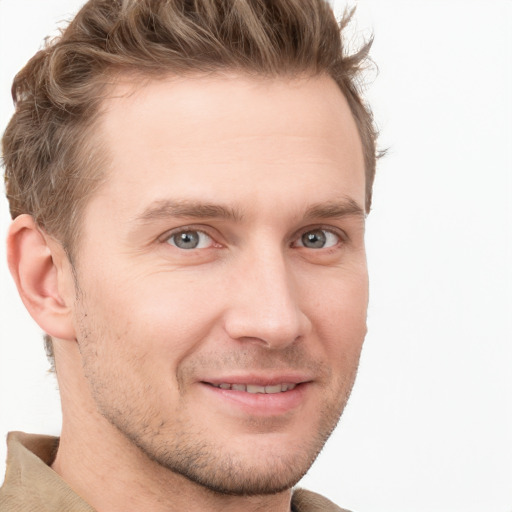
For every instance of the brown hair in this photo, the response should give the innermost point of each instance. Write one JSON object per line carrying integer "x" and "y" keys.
{"x": 51, "y": 157}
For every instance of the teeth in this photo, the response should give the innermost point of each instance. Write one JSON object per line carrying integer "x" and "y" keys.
{"x": 255, "y": 389}
{"x": 252, "y": 388}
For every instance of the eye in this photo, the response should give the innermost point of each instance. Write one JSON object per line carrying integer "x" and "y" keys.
{"x": 318, "y": 239}
{"x": 190, "y": 239}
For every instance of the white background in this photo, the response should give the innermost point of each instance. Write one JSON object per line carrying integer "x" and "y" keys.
{"x": 429, "y": 425}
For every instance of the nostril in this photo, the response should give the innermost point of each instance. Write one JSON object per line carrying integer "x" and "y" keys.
{"x": 266, "y": 309}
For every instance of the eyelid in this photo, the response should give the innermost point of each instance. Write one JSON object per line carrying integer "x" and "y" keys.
{"x": 340, "y": 233}
{"x": 183, "y": 229}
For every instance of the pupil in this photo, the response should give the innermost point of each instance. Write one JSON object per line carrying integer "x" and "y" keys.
{"x": 314, "y": 239}
{"x": 187, "y": 240}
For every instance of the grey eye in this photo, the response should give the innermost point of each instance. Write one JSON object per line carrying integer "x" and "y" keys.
{"x": 318, "y": 239}
{"x": 190, "y": 240}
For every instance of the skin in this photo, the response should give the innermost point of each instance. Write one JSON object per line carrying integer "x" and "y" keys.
{"x": 259, "y": 171}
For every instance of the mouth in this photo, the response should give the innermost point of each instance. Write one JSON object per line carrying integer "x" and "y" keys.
{"x": 258, "y": 395}
{"x": 256, "y": 389}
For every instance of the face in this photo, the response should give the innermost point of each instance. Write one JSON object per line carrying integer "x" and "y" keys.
{"x": 221, "y": 277}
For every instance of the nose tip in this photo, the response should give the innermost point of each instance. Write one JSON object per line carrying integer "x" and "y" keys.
{"x": 266, "y": 309}
{"x": 272, "y": 327}
{"x": 266, "y": 329}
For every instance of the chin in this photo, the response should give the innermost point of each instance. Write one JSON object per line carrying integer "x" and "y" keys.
{"x": 235, "y": 475}
{"x": 249, "y": 469}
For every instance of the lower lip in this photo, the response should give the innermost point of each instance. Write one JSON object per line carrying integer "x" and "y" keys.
{"x": 261, "y": 404}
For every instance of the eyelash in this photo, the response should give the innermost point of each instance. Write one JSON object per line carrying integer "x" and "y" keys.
{"x": 327, "y": 235}
{"x": 298, "y": 239}
{"x": 184, "y": 230}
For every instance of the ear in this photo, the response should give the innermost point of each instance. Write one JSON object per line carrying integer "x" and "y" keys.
{"x": 43, "y": 276}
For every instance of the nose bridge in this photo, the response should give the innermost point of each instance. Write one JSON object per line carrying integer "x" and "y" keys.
{"x": 265, "y": 305}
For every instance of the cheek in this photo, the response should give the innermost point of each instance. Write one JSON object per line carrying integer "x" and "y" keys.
{"x": 338, "y": 312}
{"x": 158, "y": 316}
{"x": 338, "y": 302}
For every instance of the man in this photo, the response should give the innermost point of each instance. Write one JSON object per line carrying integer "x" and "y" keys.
{"x": 189, "y": 183}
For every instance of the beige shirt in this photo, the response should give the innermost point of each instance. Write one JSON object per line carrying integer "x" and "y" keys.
{"x": 32, "y": 486}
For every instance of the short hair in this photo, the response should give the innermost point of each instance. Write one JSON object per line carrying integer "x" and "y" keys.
{"x": 52, "y": 161}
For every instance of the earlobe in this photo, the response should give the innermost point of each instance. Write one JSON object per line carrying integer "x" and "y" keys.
{"x": 42, "y": 274}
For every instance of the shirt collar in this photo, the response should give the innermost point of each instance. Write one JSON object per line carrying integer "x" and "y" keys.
{"x": 29, "y": 480}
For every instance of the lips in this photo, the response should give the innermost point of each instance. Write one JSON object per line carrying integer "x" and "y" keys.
{"x": 258, "y": 394}
{"x": 255, "y": 388}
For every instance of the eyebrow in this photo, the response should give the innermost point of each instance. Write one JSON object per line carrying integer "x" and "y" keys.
{"x": 164, "y": 209}
{"x": 335, "y": 210}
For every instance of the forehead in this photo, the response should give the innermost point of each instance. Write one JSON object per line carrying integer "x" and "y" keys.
{"x": 224, "y": 135}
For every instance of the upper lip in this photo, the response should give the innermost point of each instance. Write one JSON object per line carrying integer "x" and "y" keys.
{"x": 260, "y": 379}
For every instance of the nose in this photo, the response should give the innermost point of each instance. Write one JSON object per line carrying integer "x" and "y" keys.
{"x": 265, "y": 304}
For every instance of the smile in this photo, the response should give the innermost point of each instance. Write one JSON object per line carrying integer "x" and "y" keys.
{"x": 252, "y": 388}
{"x": 253, "y": 395}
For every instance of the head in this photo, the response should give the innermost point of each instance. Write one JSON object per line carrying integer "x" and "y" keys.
{"x": 205, "y": 168}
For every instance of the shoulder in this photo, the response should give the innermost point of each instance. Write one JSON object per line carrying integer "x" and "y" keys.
{"x": 307, "y": 501}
